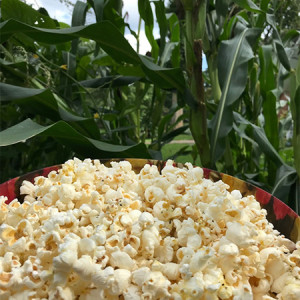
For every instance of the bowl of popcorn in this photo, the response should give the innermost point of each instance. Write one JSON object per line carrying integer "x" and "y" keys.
{"x": 143, "y": 229}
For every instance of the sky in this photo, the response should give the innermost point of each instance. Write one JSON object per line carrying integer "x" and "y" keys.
{"x": 62, "y": 13}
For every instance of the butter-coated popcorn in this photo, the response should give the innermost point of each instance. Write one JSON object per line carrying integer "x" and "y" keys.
{"x": 93, "y": 232}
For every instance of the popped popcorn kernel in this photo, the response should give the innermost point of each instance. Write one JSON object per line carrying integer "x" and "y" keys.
{"x": 88, "y": 231}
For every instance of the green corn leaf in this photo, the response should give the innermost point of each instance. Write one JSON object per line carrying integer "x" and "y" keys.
{"x": 183, "y": 151}
{"x": 99, "y": 8}
{"x": 25, "y": 13}
{"x": 174, "y": 27}
{"x": 285, "y": 175}
{"x": 113, "y": 12}
{"x": 253, "y": 77}
{"x": 104, "y": 60}
{"x": 163, "y": 77}
{"x": 110, "y": 81}
{"x": 78, "y": 19}
{"x": 70, "y": 60}
{"x": 146, "y": 14}
{"x": 259, "y": 136}
{"x": 42, "y": 102}
{"x": 290, "y": 35}
{"x": 271, "y": 119}
{"x": 124, "y": 128}
{"x": 167, "y": 53}
{"x": 168, "y": 137}
{"x": 269, "y": 95}
{"x": 130, "y": 70}
{"x": 282, "y": 55}
{"x": 285, "y": 178}
{"x": 240, "y": 130}
{"x": 162, "y": 125}
{"x": 105, "y": 33}
{"x": 79, "y": 13}
{"x": 233, "y": 60}
{"x": 222, "y": 7}
{"x": 162, "y": 22}
{"x": 145, "y": 11}
{"x": 249, "y": 5}
{"x": 175, "y": 38}
{"x": 264, "y": 5}
{"x": 228, "y": 28}
{"x": 81, "y": 70}
{"x": 111, "y": 40}
{"x": 38, "y": 105}
{"x": 68, "y": 136}
{"x": 267, "y": 73}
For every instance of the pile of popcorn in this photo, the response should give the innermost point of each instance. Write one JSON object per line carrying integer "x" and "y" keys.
{"x": 93, "y": 232}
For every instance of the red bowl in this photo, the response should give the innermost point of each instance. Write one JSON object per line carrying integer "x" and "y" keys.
{"x": 284, "y": 219}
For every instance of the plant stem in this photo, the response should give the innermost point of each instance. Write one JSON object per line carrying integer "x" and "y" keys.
{"x": 138, "y": 35}
{"x": 193, "y": 56}
{"x": 189, "y": 40}
{"x": 198, "y": 115}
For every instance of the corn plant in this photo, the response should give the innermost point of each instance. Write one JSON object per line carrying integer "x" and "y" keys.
{"x": 63, "y": 86}
{"x": 85, "y": 91}
{"x": 246, "y": 74}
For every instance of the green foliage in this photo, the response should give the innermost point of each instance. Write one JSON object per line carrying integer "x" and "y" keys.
{"x": 84, "y": 91}
{"x": 233, "y": 59}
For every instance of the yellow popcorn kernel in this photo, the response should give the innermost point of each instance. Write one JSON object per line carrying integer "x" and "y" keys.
{"x": 5, "y": 279}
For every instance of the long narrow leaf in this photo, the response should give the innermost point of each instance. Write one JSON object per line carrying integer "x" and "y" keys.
{"x": 282, "y": 55}
{"x": 68, "y": 136}
{"x": 261, "y": 139}
{"x": 24, "y": 13}
{"x": 283, "y": 58}
{"x": 79, "y": 13}
{"x": 249, "y": 5}
{"x": 78, "y": 19}
{"x": 110, "y": 81}
{"x": 110, "y": 39}
{"x": 42, "y": 102}
{"x": 233, "y": 60}
{"x": 105, "y": 33}
{"x": 99, "y": 8}
{"x": 271, "y": 120}
{"x": 163, "y": 77}
{"x": 285, "y": 178}
{"x": 167, "y": 53}
{"x": 175, "y": 38}
{"x": 162, "y": 22}
{"x": 285, "y": 175}
{"x": 146, "y": 14}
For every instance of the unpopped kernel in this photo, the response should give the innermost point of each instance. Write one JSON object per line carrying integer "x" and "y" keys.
{"x": 93, "y": 232}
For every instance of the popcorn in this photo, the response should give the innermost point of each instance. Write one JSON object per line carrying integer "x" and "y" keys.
{"x": 121, "y": 281}
{"x": 95, "y": 232}
{"x": 121, "y": 260}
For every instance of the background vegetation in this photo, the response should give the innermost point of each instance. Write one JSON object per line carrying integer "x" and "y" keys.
{"x": 83, "y": 90}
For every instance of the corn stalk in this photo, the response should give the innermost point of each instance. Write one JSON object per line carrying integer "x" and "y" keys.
{"x": 195, "y": 12}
